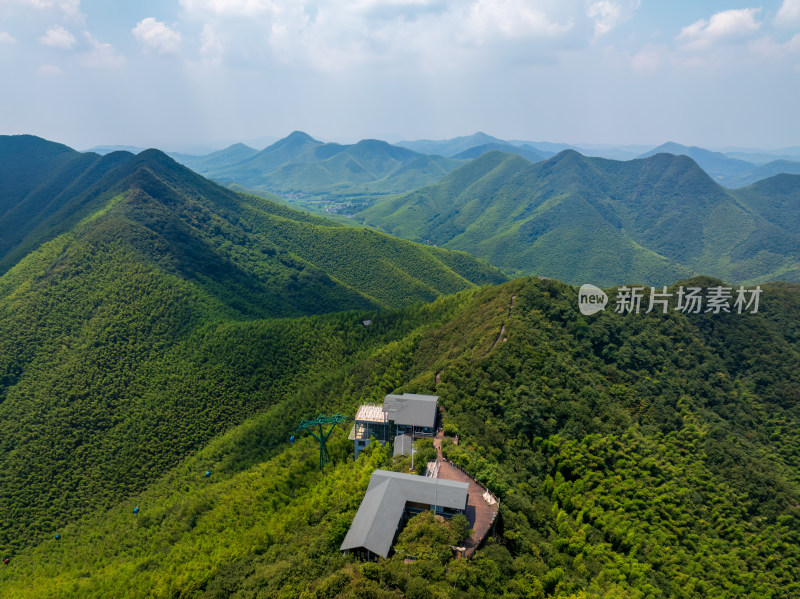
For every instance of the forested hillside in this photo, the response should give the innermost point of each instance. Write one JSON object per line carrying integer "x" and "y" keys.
{"x": 177, "y": 328}
{"x": 634, "y": 456}
{"x": 579, "y": 219}
{"x": 107, "y": 377}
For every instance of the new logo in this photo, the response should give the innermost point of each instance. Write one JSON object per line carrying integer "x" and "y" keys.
{"x": 591, "y": 299}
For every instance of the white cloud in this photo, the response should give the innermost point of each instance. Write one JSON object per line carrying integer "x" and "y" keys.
{"x": 157, "y": 36}
{"x": 767, "y": 48}
{"x": 50, "y": 70}
{"x": 335, "y": 35}
{"x": 102, "y": 55}
{"x": 211, "y": 47}
{"x": 58, "y": 37}
{"x": 70, "y": 8}
{"x": 649, "y": 59}
{"x": 723, "y": 27}
{"x": 7, "y": 38}
{"x": 789, "y": 14}
{"x": 239, "y": 8}
{"x": 607, "y": 14}
{"x": 510, "y": 19}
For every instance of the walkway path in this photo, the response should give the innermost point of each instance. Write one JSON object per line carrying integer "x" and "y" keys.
{"x": 480, "y": 512}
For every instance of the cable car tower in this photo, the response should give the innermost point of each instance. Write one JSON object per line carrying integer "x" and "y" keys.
{"x": 322, "y": 437}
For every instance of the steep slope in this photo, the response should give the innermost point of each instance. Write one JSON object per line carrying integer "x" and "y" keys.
{"x": 720, "y": 167}
{"x": 777, "y": 200}
{"x": 633, "y": 456}
{"x": 765, "y": 171}
{"x": 45, "y": 188}
{"x": 101, "y": 325}
{"x": 195, "y": 218}
{"x": 581, "y": 219}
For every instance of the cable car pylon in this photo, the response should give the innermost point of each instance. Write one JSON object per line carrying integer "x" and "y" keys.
{"x": 322, "y": 437}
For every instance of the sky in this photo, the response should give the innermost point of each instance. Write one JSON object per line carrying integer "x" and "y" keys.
{"x": 190, "y": 74}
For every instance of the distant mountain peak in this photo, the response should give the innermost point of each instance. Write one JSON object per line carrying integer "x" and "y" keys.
{"x": 154, "y": 155}
{"x": 670, "y": 145}
{"x": 373, "y": 142}
{"x": 298, "y": 136}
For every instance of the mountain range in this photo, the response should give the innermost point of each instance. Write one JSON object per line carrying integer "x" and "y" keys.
{"x": 133, "y": 257}
{"x": 727, "y": 170}
{"x": 161, "y": 338}
{"x": 49, "y": 190}
{"x": 340, "y": 177}
{"x": 580, "y": 219}
{"x": 308, "y": 170}
{"x": 365, "y": 180}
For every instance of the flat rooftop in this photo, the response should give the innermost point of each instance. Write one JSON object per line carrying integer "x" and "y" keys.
{"x": 371, "y": 413}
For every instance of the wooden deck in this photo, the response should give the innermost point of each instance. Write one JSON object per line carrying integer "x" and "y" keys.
{"x": 480, "y": 512}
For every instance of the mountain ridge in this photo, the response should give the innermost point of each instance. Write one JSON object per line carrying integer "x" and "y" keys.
{"x": 663, "y": 216}
{"x": 599, "y": 436}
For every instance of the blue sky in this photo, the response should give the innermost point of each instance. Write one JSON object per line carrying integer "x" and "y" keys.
{"x": 179, "y": 74}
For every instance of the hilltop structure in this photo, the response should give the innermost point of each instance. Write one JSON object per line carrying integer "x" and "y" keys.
{"x": 407, "y": 414}
{"x": 392, "y": 498}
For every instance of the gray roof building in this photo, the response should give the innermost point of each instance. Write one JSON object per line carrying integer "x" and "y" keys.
{"x": 403, "y": 445}
{"x": 381, "y": 512}
{"x": 411, "y": 409}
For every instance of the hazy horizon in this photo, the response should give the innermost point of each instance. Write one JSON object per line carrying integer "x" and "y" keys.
{"x": 196, "y": 74}
{"x": 266, "y": 141}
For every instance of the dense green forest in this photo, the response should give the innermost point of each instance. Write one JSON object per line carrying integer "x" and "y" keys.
{"x": 577, "y": 219}
{"x": 161, "y": 277}
{"x": 176, "y": 328}
{"x": 634, "y": 456}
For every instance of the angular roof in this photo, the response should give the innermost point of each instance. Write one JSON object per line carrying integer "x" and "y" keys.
{"x": 376, "y": 520}
{"x": 402, "y": 445}
{"x": 382, "y": 508}
{"x": 411, "y": 409}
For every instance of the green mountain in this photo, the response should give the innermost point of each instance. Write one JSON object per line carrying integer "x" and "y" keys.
{"x": 450, "y": 147}
{"x": 314, "y": 174}
{"x": 633, "y": 456}
{"x": 366, "y": 161}
{"x": 226, "y": 157}
{"x": 723, "y": 169}
{"x": 103, "y": 150}
{"x": 297, "y": 148}
{"x": 525, "y": 151}
{"x": 194, "y": 217}
{"x": 178, "y": 328}
{"x": 761, "y": 156}
{"x": 45, "y": 189}
{"x": 582, "y": 219}
{"x": 95, "y": 322}
{"x": 726, "y": 169}
{"x": 765, "y": 171}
